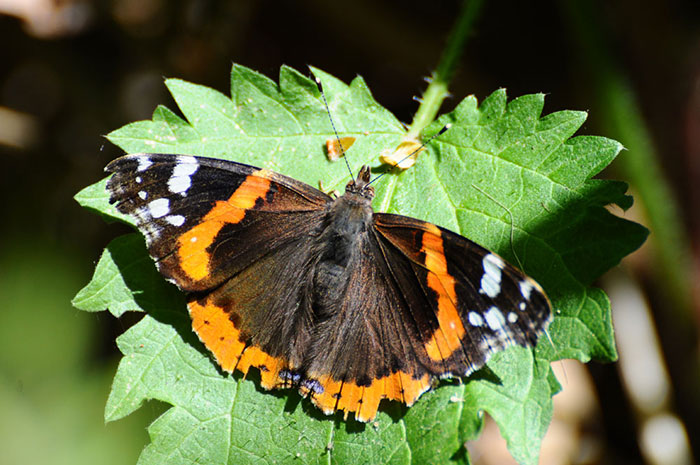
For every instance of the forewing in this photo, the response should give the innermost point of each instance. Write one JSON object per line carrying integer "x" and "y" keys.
{"x": 206, "y": 219}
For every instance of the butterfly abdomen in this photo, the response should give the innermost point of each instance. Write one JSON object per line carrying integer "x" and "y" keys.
{"x": 347, "y": 224}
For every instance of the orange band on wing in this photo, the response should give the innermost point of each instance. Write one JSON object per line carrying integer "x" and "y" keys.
{"x": 218, "y": 333}
{"x": 447, "y": 338}
{"x": 194, "y": 243}
{"x": 364, "y": 400}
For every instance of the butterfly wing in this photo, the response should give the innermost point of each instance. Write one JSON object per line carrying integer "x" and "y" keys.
{"x": 233, "y": 236}
{"x": 206, "y": 219}
{"x": 466, "y": 302}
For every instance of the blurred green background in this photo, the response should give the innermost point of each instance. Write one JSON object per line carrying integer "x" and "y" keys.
{"x": 73, "y": 70}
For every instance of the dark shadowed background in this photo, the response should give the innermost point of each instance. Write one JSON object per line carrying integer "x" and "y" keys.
{"x": 71, "y": 71}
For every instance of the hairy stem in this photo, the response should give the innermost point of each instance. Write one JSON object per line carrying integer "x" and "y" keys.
{"x": 438, "y": 88}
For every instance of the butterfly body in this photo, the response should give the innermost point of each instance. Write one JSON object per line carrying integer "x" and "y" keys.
{"x": 324, "y": 295}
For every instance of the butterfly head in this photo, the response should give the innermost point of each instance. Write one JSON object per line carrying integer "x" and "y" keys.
{"x": 360, "y": 185}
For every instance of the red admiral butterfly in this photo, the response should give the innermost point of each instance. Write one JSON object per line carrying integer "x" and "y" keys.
{"x": 319, "y": 293}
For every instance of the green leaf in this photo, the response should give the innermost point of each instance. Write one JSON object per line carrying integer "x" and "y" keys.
{"x": 125, "y": 279}
{"x": 503, "y": 175}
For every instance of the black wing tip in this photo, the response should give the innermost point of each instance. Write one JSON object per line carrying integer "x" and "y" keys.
{"x": 121, "y": 163}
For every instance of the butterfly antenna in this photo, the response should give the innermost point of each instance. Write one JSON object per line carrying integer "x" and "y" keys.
{"x": 337, "y": 137}
{"x": 440, "y": 132}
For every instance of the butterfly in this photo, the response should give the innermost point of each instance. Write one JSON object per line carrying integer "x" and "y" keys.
{"x": 321, "y": 293}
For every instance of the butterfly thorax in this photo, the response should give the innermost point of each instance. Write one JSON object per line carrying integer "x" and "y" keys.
{"x": 348, "y": 219}
{"x": 346, "y": 226}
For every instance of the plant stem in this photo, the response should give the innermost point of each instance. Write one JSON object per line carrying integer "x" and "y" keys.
{"x": 437, "y": 89}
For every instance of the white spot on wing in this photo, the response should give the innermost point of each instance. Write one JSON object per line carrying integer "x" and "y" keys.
{"x": 495, "y": 319}
{"x": 526, "y": 288}
{"x": 138, "y": 179}
{"x": 522, "y": 306}
{"x": 175, "y": 220}
{"x": 181, "y": 181}
{"x": 494, "y": 260}
{"x": 512, "y": 317}
{"x": 475, "y": 319}
{"x": 491, "y": 280}
{"x": 179, "y": 184}
{"x": 143, "y": 195}
{"x": 159, "y": 208}
{"x": 144, "y": 163}
{"x": 189, "y": 160}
